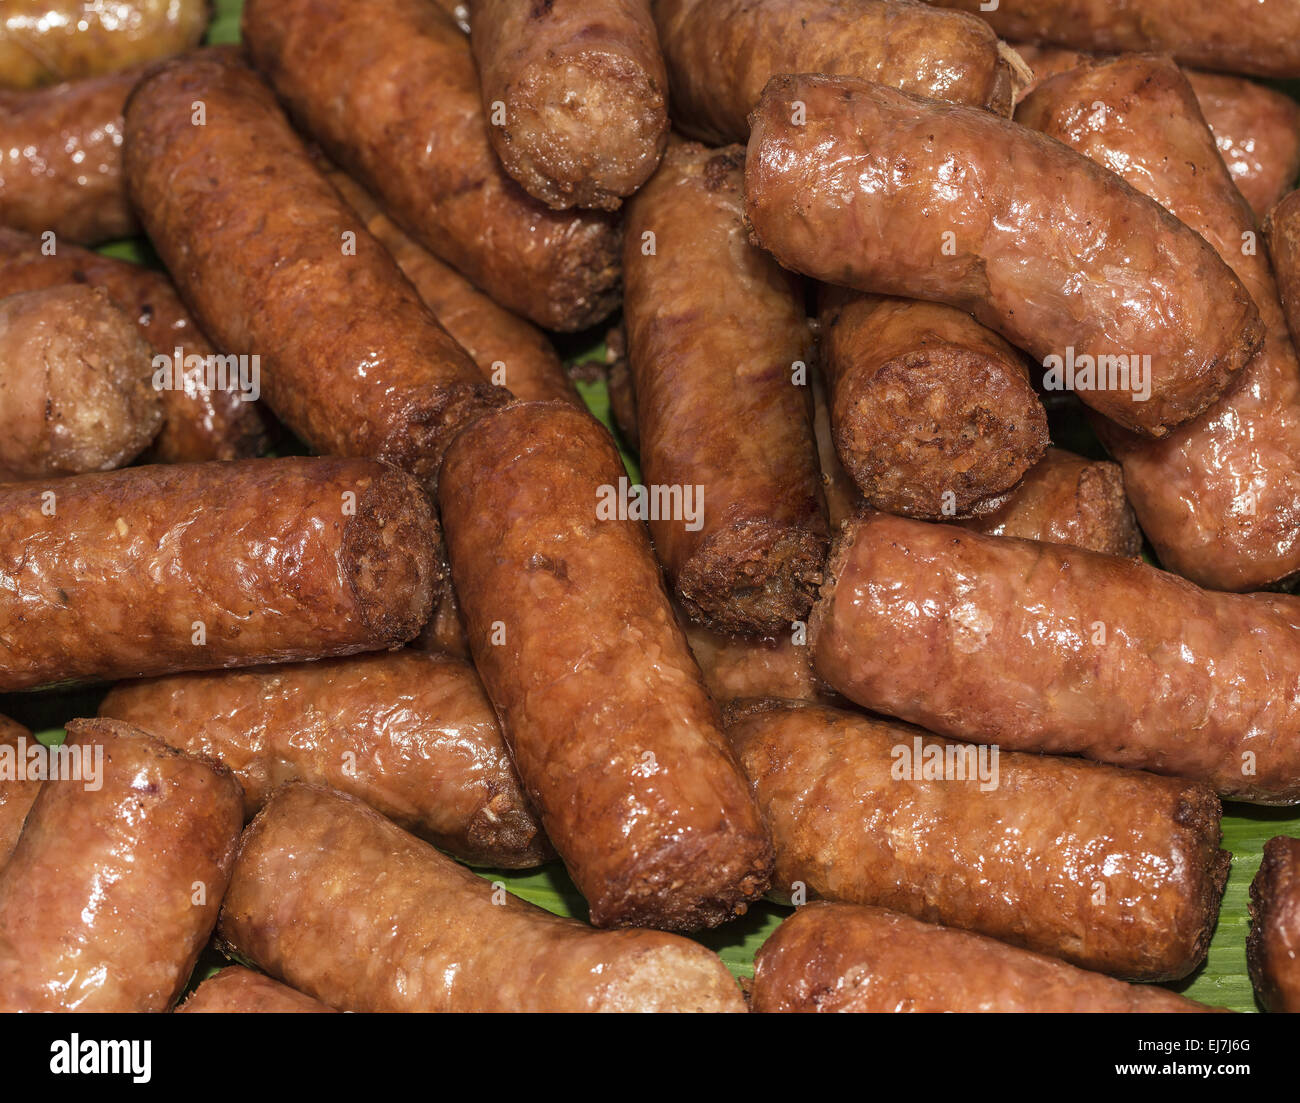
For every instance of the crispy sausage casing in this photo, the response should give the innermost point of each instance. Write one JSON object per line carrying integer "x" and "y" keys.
{"x": 606, "y": 712}
{"x": 720, "y": 53}
{"x": 1273, "y": 946}
{"x": 1114, "y": 870}
{"x": 583, "y": 91}
{"x": 154, "y": 570}
{"x": 347, "y": 67}
{"x": 1219, "y": 498}
{"x": 722, "y": 407}
{"x": 410, "y": 733}
{"x": 259, "y": 244}
{"x": 953, "y": 204}
{"x": 201, "y": 422}
{"x": 1283, "y": 230}
{"x": 425, "y": 934}
{"x": 16, "y": 794}
{"x": 836, "y": 957}
{"x": 112, "y": 891}
{"x": 240, "y": 991}
{"x": 1047, "y": 648}
{"x": 932, "y": 414}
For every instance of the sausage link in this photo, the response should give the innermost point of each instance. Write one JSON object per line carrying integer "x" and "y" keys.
{"x": 1273, "y": 945}
{"x": 409, "y": 733}
{"x": 843, "y": 498}
{"x": 1282, "y": 228}
{"x": 239, "y": 991}
{"x": 952, "y": 204}
{"x": 836, "y": 957}
{"x": 153, "y": 570}
{"x": 604, "y": 709}
{"x": 17, "y": 790}
{"x": 113, "y": 891}
{"x": 736, "y": 667}
{"x": 425, "y": 934}
{"x": 346, "y": 69}
{"x": 1219, "y": 498}
{"x": 1114, "y": 870}
{"x": 1042, "y": 647}
{"x": 582, "y": 92}
{"x": 722, "y": 412}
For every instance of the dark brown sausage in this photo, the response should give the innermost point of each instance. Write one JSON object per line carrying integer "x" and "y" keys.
{"x": 17, "y": 788}
{"x": 410, "y": 733}
{"x": 239, "y": 991}
{"x": 1114, "y": 870}
{"x": 201, "y": 422}
{"x": 1219, "y": 498}
{"x": 720, "y": 53}
{"x": 346, "y": 68}
{"x": 1282, "y": 227}
{"x": 1048, "y": 648}
{"x": 112, "y": 891}
{"x": 953, "y": 204}
{"x": 836, "y": 957}
{"x": 932, "y": 414}
{"x": 605, "y": 711}
{"x": 1273, "y": 945}
{"x": 153, "y": 570}
{"x": 575, "y": 94}
{"x": 256, "y": 239}
{"x": 425, "y": 934}
{"x": 723, "y": 413}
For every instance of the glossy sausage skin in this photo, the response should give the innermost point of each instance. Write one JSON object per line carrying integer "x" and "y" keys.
{"x": 1114, "y": 870}
{"x": 603, "y": 706}
{"x": 45, "y": 41}
{"x": 932, "y": 414}
{"x": 239, "y": 991}
{"x": 1219, "y": 498}
{"x": 736, "y": 667}
{"x": 837, "y": 957}
{"x": 16, "y": 793}
{"x": 722, "y": 405}
{"x": 346, "y": 68}
{"x": 75, "y": 390}
{"x": 1273, "y": 946}
{"x": 154, "y": 570}
{"x": 583, "y": 92}
{"x": 112, "y": 892}
{"x": 1282, "y": 228}
{"x": 200, "y": 422}
{"x": 720, "y": 54}
{"x": 408, "y": 732}
{"x": 61, "y": 160}
{"x": 1029, "y": 223}
{"x": 1240, "y": 36}
{"x": 1047, "y": 648}
{"x": 352, "y": 360}
{"x": 507, "y": 350}
{"x": 1066, "y": 499}
{"x": 426, "y": 934}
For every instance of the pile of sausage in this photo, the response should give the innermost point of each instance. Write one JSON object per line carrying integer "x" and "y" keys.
{"x": 861, "y": 640}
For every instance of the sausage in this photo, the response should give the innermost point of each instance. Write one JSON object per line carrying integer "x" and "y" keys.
{"x": 1066, "y": 499}
{"x": 720, "y": 54}
{"x": 61, "y": 159}
{"x": 45, "y": 41}
{"x": 1114, "y": 870}
{"x": 1219, "y": 498}
{"x": 240, "y": 991}
{"x": 843, "y": 498}
{"x": 1273, "y": 946}
{"x": 410, "y": 733}
{"x": 1042, "y": 647}
{"x": 153, "y": 570}
{"x": 112, "y": 891}
{"x": 346, "y": 67}
{"x": 723, "y": 413}
{"x": 202, "y": 420}
{"x": 1021, "y": 226}
{"x": 425, "y": 934}
{"x": 17, "y": 789}
{"x": 507, "y": 350}
{"x": 932, "y": 414}
{"x": 575, "y": 94}
{"x": 605, "y": 711}
{"x": 735, "y": 667}
{"x": 1241, "y": 36}
{"x": 836, "y": 957}
{"x": 1282, "y": 228}
{"x": 257, "y": 240}
{"x": 75, "y": 392}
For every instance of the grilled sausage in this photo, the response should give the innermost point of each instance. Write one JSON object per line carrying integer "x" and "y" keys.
{"x": 17, "y": 789}
{"x": 239, "y": 991}
{"x": 1273, "y": 945}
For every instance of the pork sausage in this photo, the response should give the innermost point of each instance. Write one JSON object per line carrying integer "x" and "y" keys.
{"x": 17, "y": 788}
{"x": 1273, "y": 945}
{"x": 756, "y": 666}
{"x": 239, "y": 991}
{"x": 1282, "y": 228}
